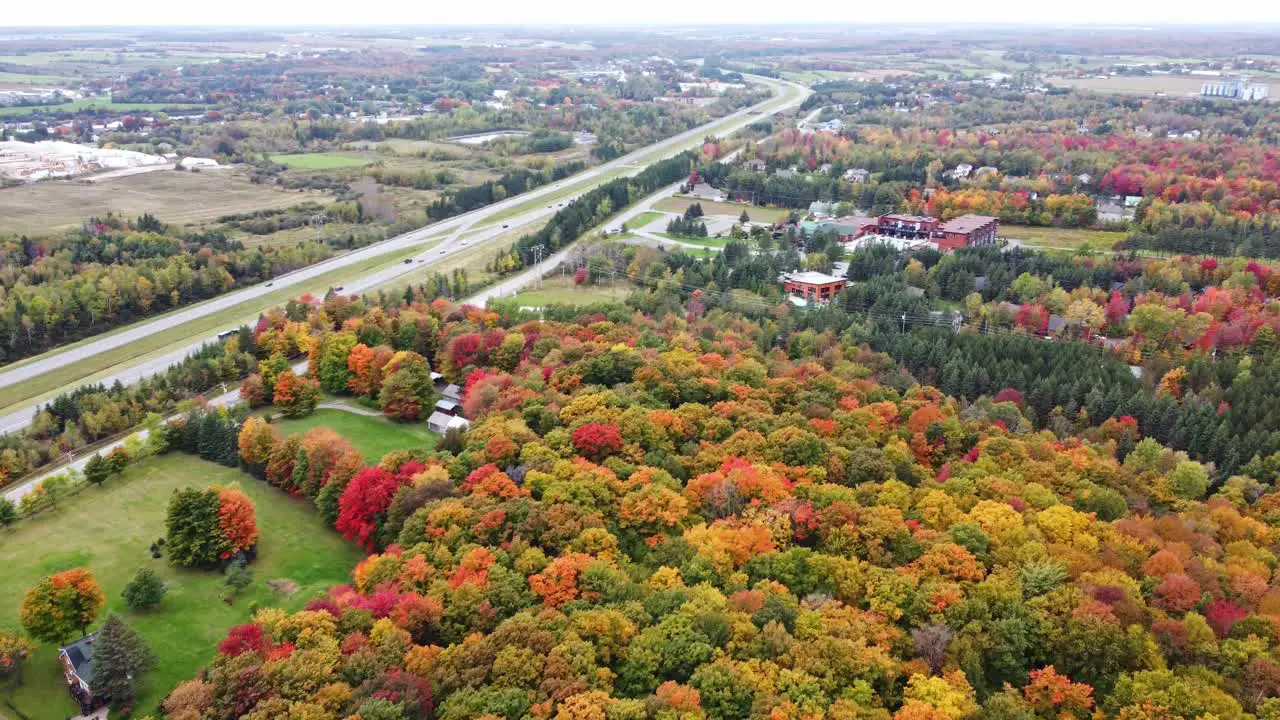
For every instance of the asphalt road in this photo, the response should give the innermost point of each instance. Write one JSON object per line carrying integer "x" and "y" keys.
{"x": 790, "y": 95}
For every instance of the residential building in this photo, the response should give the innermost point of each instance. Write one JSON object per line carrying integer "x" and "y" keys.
{"x": 912, "y": 227}
{"x": 77, "y": 668}
{"x": 821, "y": 209}
{"x": 960, "y": 172}
{"x": 756, "y": 165}
{"x": 967, "y": 231}
{"x": 857, "y": 176}
{"x": 441, "y": 422}
{"x": 812, "y": 287}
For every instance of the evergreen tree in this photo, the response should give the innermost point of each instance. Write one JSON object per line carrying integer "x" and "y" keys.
{"x": 144, "y": 591}
{"x": 120, "y": 658}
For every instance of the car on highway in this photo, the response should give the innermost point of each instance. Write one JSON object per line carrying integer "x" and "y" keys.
{"x": 442, "y": 251}
{"x": 504, "y": 227}
{"x": 407, "y": 261}
{"x": 270, "y": 284}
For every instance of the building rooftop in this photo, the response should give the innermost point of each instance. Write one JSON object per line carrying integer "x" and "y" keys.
{"x": 80, "y": 653}
{"x": 909, "y": 218}
{"x": 966, "y": 223}
{"x": 812, "y": 277}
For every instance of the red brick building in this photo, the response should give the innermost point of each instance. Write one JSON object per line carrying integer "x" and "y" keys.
{"x": 909, "y": 227}
{"x": 967, "y": 231}
{"x": 814, "y": 287}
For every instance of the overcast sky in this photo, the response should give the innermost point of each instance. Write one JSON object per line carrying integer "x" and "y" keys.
{"x": 615, "y": 12}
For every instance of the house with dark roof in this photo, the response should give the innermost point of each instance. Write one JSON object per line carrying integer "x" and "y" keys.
{"x": 77, "y": 668}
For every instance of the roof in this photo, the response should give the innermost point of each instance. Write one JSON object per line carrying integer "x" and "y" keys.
{"x": 811, "y": 277}
{"x": 439, "y": 418}
{"x": 966, "y": 223}
{"x": 80, "y": 653}
{"x": 447, "y": 405}
{"x": 453, "y": 392}
{"x": 908, "y": 218}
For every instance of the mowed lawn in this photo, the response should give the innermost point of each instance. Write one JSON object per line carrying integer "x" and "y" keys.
{"x": 372, "y": 436}
{"x": 710, "y": 207}
{"x": 320, "y": 161}
{"x": 109, "y": 530}
{"x": 559, "y": 290}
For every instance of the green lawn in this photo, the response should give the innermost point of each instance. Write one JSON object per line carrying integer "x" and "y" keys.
{"x": 1063, "y": 238}
{"x": 320, "y": 161}
{"x": 644, "y": 219}
{"x": 109, "y": 529}
{"x": 79, "y": 105}
{"x": 715, "y": 243}
{"x": 372, "y": 436}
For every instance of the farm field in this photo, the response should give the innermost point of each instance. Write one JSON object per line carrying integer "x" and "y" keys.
{"x": 320, "y": 161}
{"x": 1063, "y": 238}
{"x": 113, "y": 527}
{"x": 1139, "y": 84}
{"x": 680, "y": 204}
{"x": 372, "y": 436}
{"x": 174, "y": 197}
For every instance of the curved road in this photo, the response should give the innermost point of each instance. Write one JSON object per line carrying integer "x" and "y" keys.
{"x": 787, "y": 95}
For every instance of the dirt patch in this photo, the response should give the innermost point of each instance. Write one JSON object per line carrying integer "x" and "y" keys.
{"x": 283, "y": 586}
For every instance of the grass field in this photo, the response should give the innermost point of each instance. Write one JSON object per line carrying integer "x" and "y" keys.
{"x": 372, "y": 436}
{"x": 109, "y": 529}
{"x": 95, "y": 367}
{"x": 561, "y": 290}
{"x": 758, "y": 214}
{"x": 320, "y": 161}
{"x": 175, "y": 197}
{"x": 644, "y": 219}
{"x": 99, "y": 104}
{"x": 1063, "y": 238}
{"x": 713, "y": 243}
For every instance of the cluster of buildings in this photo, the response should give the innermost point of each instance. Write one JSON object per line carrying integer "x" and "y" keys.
{"x": 1238, "y": 89}
{"x": 902, "y": 231}
{"x": 29, "y": 162}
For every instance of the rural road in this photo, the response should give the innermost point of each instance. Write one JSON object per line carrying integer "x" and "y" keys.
{"x": 788, "y": 95}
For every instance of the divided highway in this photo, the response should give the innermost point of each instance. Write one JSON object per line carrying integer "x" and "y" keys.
{"x": 787, "y": 95}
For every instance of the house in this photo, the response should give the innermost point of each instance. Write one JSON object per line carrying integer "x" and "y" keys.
{"x": 985, "y": 170}
{"x": 825, "y": 169}
{"x": 442, "y": 422}
{"x": 77, "y": 668}
{"x": 756, "y": 165}
{"x": 448, "y": 407}
{"x": 1084, "y": 178}
{"x": 452, "y": 392}
{"x": 812, "y": 287}
{"x": 960, "y": 172}
{"x": 821, "y": 209}
{"x": 437, "y": 379}
{"x": 967, "y": 231}
{"x": 857, "y": 176}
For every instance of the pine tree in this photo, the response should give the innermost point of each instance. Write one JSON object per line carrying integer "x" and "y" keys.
{"x": 120, "y": 658}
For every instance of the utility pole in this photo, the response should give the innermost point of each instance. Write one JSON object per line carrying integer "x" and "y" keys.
{"x": 904, "y": 322}
{"x": 537, "y": 260}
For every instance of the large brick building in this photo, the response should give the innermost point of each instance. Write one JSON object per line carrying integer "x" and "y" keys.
{"x": 966, "y": 231}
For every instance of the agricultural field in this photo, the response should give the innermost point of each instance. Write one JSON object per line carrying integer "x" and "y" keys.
{"x": 1137, "y": 84}
{"x": 109, "y": 529}
{"x": 758, "y": 214}
{"x": 373, "y": 436}
{"x": 175, "y": 197}
{"x": 321, "y": 161}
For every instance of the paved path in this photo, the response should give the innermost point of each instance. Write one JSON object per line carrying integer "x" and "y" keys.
{"x": 789, "y": 96}
{"x": 348, "y": 408}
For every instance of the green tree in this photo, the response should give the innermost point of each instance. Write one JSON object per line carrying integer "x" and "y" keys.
{"x": 144, "y": 591}
{"x": 120, "y": 658}
{"x": 239, "y": 577}
{"x": 332, "y": 371}
{"x": 97, "y": 470}
{"x": 1189, "y": 480}
{"x": 193, "y": 534}
{"x": 8, "y": 512}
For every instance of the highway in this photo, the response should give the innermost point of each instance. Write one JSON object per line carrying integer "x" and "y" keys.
{"x": 451, "y": 242}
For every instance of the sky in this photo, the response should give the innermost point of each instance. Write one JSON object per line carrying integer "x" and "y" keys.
{"x": 621, "y": 12}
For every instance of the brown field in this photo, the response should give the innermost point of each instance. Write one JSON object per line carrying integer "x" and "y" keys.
{"x": 1139, "y": 85}
{"x": 174, "y": 197}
